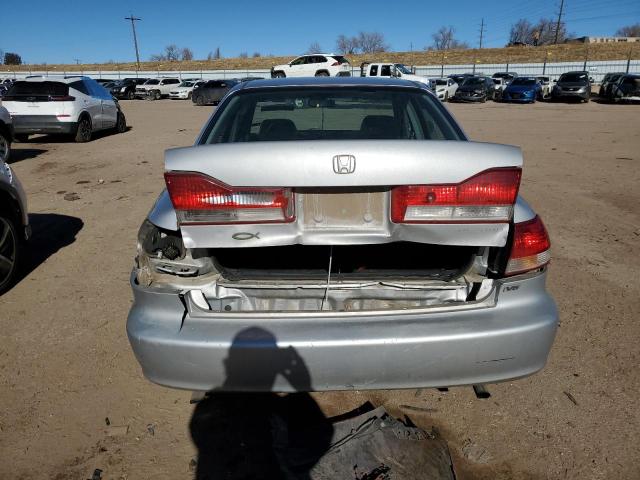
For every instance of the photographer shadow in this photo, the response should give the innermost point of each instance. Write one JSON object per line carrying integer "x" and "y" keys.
{"x": 243, "y": 430}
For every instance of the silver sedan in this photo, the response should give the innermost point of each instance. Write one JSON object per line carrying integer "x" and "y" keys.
{"x": 340, "y": 233}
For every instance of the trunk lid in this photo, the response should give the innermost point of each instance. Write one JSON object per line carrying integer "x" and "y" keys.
{"x": 342, "y": 189}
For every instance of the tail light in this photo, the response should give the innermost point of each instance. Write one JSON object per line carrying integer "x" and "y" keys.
{"x": 530, "y": 249}
{"x": 198, "y": 198}
{"x": 486, "y": 197}
{"x": 61, "y": 98}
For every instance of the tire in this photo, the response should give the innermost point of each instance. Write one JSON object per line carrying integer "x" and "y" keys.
{"x": 200, "y": 101}
{"x": 189, "y": 95}
{"x": 84, "y": 130}
{"x": 157, "y": 95}
{"x": 131, "y": 95}
{"x": 5, "y": 147}
{"x": 484, "y": 99}
{"x": 322, "y": 74}
{"x": 446, "y": 97}
{"x": 121, "y": 123}
{"x": 279, "y": 75}
{"x": 586, "y": 100}
{"x": 11, "y": 252}
{"x": 21, "y": 138}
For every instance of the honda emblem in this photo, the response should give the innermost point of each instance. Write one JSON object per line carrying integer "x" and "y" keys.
{"x": 344, "y": 164}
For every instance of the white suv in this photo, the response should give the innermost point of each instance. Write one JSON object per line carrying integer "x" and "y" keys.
{"x": 315, "y": 65}
{"x": 157, "y": 88}
{"x": 76, "y": 106}
{"x": 184, "y": 91}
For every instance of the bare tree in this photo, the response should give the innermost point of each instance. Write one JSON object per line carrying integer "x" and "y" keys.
{"x": 186, "y": 54}
{"x": 371, "y": 42}
{"x": 172, "y": 53}
{"x": 1, "y": 56}
{"x": 157, "y": 57}
{"x": 244, "y": 55}
{"x": 12, "y": 59}
{"x": 521, "y": 32}
{"x": 629, "y": 31}
{"x": 256, "y": 55}
{"x": 346, "y": 44}
{"x": 546, "y": 28}
{"x": 444, "y": 39}
{"x": 314, "y": 48}
{"x": 215, "y": 55}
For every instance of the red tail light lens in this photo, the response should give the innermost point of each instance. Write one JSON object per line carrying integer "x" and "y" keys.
{"x": 198, "y": 198}
{"x": 486, "y": 197}
{"x": 530, "y": 249}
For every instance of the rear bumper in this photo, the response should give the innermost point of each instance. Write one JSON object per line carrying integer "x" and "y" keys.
{"x": 32, "y": 124}
{"x": 506, "y": 336}
{"x": 467, "y": 99}
{"x": 566, "y": 94}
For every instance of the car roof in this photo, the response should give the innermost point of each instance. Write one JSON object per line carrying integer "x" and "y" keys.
{"x": 56, "y": 78}
{"x": 330, "y": 82}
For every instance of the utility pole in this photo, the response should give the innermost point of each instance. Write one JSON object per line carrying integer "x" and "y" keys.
{"x": 555, "y": 42}
{"x": 77, "y": 60}
{"x": 135, "y": 38}
{"x": 481, "y": 32}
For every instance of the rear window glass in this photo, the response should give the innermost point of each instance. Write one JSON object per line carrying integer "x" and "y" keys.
{"x": 331, "y": 114}
{"x": 524, "y": 81}
{"x": 152, "y": 82}
{"x": 574, "y": 77}
{"x": 341, "y": 59}
{"x": 54, "y": 89}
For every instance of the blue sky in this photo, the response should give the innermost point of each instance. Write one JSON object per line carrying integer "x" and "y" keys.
{"x": 59, "y": 31}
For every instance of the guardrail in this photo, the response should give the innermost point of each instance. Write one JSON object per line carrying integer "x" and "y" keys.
{"x": 597, "y": 69}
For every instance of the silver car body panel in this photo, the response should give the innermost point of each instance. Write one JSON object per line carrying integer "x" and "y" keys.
{"x": 506, "y": 335}
{"x": 9, "y": 182}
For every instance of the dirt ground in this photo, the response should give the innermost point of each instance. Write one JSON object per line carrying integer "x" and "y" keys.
{"x": 66, "y": 369}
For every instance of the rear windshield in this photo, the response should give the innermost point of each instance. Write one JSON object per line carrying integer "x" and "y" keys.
{"x": 54, "y": 89}
{"x": 473, "y": 81}
{"x": 574, "y": 77}
{"x": 441, "y": 82}
{"x": 331, "y": 114}
{"x": 523, "y": 81}
{"x": 219, "y": 83}
{"x": 152, "y": 82}
{"x": 341, "y": 59}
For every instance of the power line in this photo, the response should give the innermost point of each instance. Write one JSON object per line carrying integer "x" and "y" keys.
{"x": 135, "y": 38}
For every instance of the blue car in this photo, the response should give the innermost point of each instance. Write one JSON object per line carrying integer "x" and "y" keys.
{"x": 523, "y": 90}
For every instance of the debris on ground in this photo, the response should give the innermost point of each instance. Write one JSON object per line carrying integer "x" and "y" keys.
{"x": 72, "y": 196}
{"x": 571, "y": 397}
{"x": 475, "y": 453}
{"x": 151, "y": 428}
{"x": 97, "y": 474}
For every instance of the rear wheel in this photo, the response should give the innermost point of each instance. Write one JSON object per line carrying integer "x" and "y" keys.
{"x": 279, "y": 75}
{"x": 446, "y": 96}
{"x": 83, "y": 133}
{"x": 10, "y": 252}
{"x": 157, "y": 95}
{"x": 131, "y": 95}
{"x": 189, "y": 96}
{"x": 5, "y": 147}
{"x": 199, "y": 100}
{"x": 121, "y": 123}
{"x": 322, "y": 74}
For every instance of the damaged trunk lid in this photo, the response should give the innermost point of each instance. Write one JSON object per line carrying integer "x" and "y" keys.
{"x": 328, "y": 192}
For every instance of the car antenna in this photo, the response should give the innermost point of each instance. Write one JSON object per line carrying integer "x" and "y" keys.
{"x": 326, "y": 290}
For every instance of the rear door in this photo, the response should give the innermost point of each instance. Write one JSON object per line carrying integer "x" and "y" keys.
{"x": 87, "y": 101}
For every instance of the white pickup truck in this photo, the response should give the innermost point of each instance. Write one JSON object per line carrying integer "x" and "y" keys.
{"x": 397, "y": 70}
